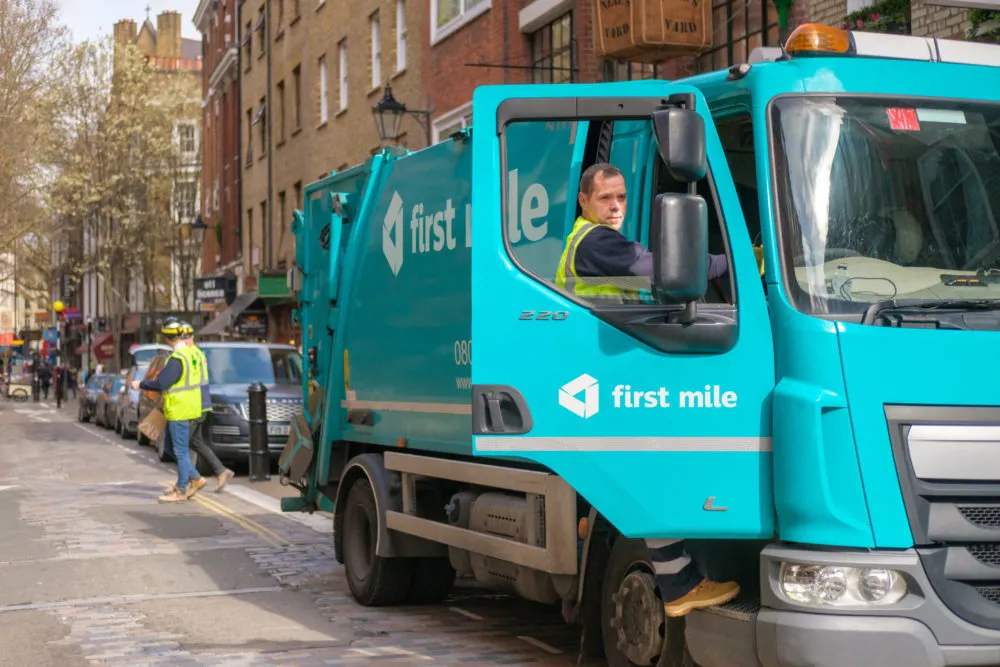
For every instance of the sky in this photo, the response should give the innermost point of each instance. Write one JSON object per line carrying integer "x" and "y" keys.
{"x": 89, "y": 19}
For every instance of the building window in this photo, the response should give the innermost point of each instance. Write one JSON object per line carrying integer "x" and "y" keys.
{"x": 248, "y": 43}
{"x": 185, "y": 200}
{"x": 342, "y": 51}
{"x": 281, "y": 12}
{"x": 249, "y": 137}
{"x": 281, "y": 111}
{"x": 324, "y": 109}
{"x": 376, "y": 50}
{"x": 552, "y": 51}
{"x": 260, "y": 28}
{"x": 453, "y": 121}
{"x": 261, "y": 121}
{"x": 400, "y": 35}
{"x": 281, "y": 212}
{"x": 186, "y": 138}
{"x": 447, "y": 16}
{"x": 297, "y": 79}
{"x": 629, "y": 71}
{"x": 298, "y": 196}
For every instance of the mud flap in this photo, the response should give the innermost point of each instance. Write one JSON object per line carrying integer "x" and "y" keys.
{"x": 298, "y": 453}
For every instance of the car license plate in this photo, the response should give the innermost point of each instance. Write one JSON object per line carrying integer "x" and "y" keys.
{"x": 278, "y": 429}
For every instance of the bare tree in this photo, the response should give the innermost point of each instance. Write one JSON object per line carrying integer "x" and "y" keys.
{"x": 30, "y": 40}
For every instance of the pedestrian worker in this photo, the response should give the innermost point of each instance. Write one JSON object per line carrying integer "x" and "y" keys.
{"x": 198, "y": 441}
{"x": 598, "y": 262}
{"x": 180, "y": 381}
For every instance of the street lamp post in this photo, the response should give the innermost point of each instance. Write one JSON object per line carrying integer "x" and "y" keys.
{"x": 198, "y": 228}
{"x": 388, "y": 115}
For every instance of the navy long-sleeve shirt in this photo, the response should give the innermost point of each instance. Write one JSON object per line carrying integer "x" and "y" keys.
{"x": 604, "y": 252}
{"x": 167, "y": 377}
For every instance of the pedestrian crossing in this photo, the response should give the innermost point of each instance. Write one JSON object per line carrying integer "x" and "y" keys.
{"x": 42, "y": 415}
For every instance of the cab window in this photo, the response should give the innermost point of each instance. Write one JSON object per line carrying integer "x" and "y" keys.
{"x": 545, "y": 161}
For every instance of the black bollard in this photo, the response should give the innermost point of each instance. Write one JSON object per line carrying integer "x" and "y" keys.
{"x": 260, "y": 459}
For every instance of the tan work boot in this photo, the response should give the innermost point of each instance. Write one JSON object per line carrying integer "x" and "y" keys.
{"x": 173, "y": 496}
{"x": 705, "y": 594}
{"x": 223, "y": 479}
{"x": 195, "y": 485}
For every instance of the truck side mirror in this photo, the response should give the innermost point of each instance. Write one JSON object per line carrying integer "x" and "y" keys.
{"x": 680, "y": 136}
{"x": 679, "y": 239}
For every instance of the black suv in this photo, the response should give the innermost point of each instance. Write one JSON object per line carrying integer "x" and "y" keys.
{"x": 232, "y": 367}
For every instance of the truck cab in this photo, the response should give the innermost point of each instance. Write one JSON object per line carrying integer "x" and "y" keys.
{"x": 818, "y": 423}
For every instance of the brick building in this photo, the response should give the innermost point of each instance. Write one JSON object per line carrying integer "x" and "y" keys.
{"x": 221, "y": 169}
{"x": 326, "y": 64}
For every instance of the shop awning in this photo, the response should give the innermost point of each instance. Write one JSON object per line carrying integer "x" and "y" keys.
{"x": 225, "y": 319}
{"x": 102, "y": 347}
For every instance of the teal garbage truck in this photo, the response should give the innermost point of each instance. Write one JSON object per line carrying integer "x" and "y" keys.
{"x": 820, "y": 423}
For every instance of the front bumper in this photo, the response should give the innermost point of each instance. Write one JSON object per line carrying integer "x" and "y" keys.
{"x": 795, "y": 639}
{"x": 229, "y": 437}
{"x": 917, "y": 631}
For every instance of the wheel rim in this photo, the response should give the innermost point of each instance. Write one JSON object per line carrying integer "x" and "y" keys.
{"x": 638, "y": 620}
{"x": 361, "y": 543}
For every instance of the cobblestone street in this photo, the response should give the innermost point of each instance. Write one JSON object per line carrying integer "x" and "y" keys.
{"x": 93, "y": 571}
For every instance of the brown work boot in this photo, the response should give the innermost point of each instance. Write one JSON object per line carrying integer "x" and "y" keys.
{"x": 705, "y": 594}
{"x": 195, "y": 485}
{"x": 223, "y": 479}
{"x": 173, "y": 496}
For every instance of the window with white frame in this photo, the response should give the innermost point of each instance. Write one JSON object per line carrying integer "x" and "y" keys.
{"x": 400, "y": 35}
{"x": 447, "y": 16}
{"x": 323, "y": 92}
{"x": 342, "y": 53}
{"x": 376, "y": 50}
{"x": 186, "y": 138}
{"x": 185, "y": 200}
{"x": 453, "y": 121}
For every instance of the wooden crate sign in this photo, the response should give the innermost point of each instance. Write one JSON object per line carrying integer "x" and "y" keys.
{"x": 652, "y": 30}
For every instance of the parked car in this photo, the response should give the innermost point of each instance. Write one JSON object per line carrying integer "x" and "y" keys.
{"x": 127, "y": 419}
{"x": 88, "y": 395}
{"x": 232, "y": 367}
{"x": 107, "y": 398}
{"x": 142, "y": 355}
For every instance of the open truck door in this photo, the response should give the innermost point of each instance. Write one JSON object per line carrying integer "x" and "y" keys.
{"x": 654, "y": 407}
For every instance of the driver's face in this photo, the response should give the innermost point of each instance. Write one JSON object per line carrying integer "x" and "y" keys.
{"x": 606, "y": 203}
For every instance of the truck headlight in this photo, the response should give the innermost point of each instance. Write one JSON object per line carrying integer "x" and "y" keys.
{"x": 835, "y": 586}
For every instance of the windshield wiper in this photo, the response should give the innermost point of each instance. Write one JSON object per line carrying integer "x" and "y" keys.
{"x": 879, "y": 307}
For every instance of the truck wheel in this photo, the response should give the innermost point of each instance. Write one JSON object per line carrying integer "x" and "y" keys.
{"x": 432, "y": 581}
{"x": 636, "y": 632}
{"x": 374, "y": 581}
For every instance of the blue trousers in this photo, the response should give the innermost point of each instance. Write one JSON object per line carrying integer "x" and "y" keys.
{"x": 180, "y": 435}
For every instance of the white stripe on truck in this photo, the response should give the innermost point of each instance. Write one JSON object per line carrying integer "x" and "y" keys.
{"x": 650, "y": 444}
{"x": 402, "y": 406}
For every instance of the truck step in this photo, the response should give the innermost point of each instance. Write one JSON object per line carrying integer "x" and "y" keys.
{"x": 742, "y": 608}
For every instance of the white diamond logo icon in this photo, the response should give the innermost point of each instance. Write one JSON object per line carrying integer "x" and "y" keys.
{"x": 392, "y": 234}
{"x": 570, "y": 396}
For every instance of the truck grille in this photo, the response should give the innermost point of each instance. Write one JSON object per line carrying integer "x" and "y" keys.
{"x": 942, "y": 457}
{"x": 277, "y": 411}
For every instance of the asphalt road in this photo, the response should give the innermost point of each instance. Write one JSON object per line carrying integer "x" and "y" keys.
{"x": 93, "y": 571}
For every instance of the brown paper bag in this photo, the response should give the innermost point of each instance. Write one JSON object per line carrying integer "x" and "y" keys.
{"x": 152, "y": 426}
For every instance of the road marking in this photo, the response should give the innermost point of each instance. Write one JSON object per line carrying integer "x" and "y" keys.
{"x": 539, "y": 644}
{"x": 318, "y": 523}
{"x": 268, "y": 536}
{"x": 9, "y": 486}
{"x": 469, "y": 614}
{"x": 124, "y": 599}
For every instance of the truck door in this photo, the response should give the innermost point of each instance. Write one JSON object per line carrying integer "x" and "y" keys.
{"x": 662, "y": 424}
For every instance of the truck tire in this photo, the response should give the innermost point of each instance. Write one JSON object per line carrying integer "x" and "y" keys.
{"x": 636, "y": 633}
{"x": 432, "y": 581}
{"x": 374, "y": 581}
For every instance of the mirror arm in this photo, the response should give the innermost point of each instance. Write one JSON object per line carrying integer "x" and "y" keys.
{"x": 687, "y": 316}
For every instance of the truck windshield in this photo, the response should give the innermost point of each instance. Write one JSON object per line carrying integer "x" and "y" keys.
{"x": 245, "y": 365}
{"x": 884, "y": 198}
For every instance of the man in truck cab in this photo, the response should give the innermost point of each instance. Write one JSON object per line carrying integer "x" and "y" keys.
{"x": 597, "y": 249}
{"x": 180, "y": 380}
{"x": 598, "y": 262}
